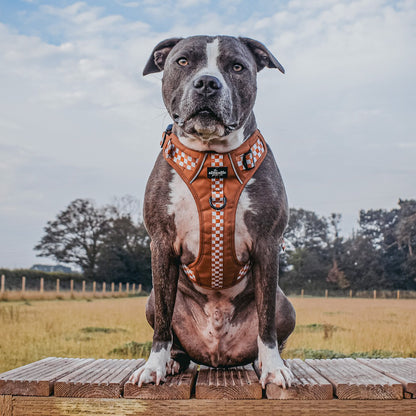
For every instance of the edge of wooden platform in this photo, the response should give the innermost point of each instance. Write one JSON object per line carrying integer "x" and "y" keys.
{"x": 58, "y": 406}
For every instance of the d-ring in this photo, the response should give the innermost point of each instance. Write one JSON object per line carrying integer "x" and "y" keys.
{"x": 224, "y": 199}
{"x": 246, "y": 167}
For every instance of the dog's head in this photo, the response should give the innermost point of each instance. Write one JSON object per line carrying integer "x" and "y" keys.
{"x": 209, "y": 83}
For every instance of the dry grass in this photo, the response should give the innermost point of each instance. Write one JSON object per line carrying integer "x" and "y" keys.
{"x": 385, "y": 327}
{"x": 79, "y": 328}
{"x": 34, "y": 330}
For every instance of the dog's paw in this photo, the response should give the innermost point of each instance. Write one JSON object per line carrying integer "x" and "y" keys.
{"x": 273, "y": 368}
{"x": 147, "y": 374}
{"x": 280, "y": 375}
{"x": 155, "y": 369}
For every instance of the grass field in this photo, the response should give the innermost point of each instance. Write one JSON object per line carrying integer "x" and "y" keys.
{"x": 117, "y": 328}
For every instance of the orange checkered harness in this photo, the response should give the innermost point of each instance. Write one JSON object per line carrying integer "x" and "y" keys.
{"x": 216, "y": 181}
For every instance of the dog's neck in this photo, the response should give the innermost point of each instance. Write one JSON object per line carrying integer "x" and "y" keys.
{"x": 217, "y": 144}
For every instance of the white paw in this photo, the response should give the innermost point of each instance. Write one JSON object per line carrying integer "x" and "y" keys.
{"x": 154, "y": 371}
{"x": 172, "y": 367}
{"x": 282, "y": 376}
{"x": 148, "y": 374}
{"x": 273, "y": 369}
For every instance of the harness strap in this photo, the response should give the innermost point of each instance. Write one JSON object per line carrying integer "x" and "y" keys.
{"x": 216, "y": 185}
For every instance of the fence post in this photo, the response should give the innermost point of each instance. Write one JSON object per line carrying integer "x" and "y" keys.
{"x": 71, "y": 285}
{"x": 375, "y": 294}
{"x": 398, "y": 294}
{"x": 302, "y": 292}
{"x": 140, "y": 288}
{"x": 133, "y": 289}
{"x": 112, "y": 288}
{"x": 326, "y": 293}
{"x": 3, "y": 283}
{"x": 350, "y": 293}
{"x": 104, "y": 287}
{"x": 57, "y": 285}
{"x": 83, "y": 287}
{"x": 127, "y": 288}
{"x": 42, "y": 284}
{"x": 23, "y": 284}
{"x": 120, "y": 287}
{"x": 94, "y": 286}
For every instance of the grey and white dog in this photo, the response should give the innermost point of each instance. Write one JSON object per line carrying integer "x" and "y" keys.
{"x": 209, "y": 89}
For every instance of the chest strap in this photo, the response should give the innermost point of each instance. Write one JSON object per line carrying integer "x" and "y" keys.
{"x": 216, "y": 181}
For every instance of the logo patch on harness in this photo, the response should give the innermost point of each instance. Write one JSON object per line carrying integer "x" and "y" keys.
{"x": 217, "y": 173}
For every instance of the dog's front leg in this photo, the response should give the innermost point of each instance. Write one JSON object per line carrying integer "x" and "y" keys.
{"x": 165, "y": 281}
{"x": 265, "y": 272}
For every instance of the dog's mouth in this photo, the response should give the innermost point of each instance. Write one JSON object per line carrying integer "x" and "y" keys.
{"x": 205, "y": 123}
{"x": 204, "y": 116}
{"x": 206, "y": 113}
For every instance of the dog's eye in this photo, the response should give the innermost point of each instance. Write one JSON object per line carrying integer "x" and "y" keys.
{"x": 238, "y": 67}
{"x": 183, "y": 61}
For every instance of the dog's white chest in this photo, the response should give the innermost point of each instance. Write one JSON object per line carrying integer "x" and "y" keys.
{"x": 183, "y": 207}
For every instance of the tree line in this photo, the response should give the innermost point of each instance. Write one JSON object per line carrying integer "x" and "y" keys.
{"x": 107, "y": 243}
{"x": 380, "y": 254}
{"x": 110, "y": 243}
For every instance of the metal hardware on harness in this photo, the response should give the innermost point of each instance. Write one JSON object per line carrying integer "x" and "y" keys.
{"x": 165, "y": 133}
{"x": 245, "y": 160}
{"x": 218, "y": 208}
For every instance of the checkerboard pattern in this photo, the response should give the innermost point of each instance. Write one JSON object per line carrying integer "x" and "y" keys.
{"x": 256, "y": 151}
{"x": 243, "y": 271}
{"x": 180, "y": 158}
{"x": 189, "y": 272}
{"x": 217, "y": 243}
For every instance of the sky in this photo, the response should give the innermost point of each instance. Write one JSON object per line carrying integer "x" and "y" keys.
{"x": 78, "y": 120}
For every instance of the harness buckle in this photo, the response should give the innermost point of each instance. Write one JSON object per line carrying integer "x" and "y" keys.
{"x": 166, "y": 133}
{"x": 224, "y": 200}
{"x": 244, "y": 157}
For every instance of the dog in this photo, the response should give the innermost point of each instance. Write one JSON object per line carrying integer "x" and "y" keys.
{"x": 215, "y": 209}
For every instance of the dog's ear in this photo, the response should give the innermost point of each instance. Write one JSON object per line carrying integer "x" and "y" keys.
{"x": 159, "y": 54}
{"x": 262, "y": 55}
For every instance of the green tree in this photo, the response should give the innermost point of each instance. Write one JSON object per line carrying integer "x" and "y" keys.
{"x": 362, "y": 264}
{"x": 336, "y": 276}
{"x": 76, "y": 235}
{"x": 125, "y": 253}
{"x": 307, "y": 259}
{"x": 406, "y": 240}
{"x": 389, "y": 235}
{"x": 406, "y": 226}
{"x": 306, "y": 229}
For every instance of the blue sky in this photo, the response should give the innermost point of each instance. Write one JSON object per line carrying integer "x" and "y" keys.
{"x": 78, "y": 120}
{"x": 26, "y": 15}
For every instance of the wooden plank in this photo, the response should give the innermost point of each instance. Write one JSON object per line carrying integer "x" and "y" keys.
{"x": 233, "y": 383}
{"x": 6, "y": 405}
{"x": 308, "y": 384}
{"x": 62, "y": 406}
{"x": 354, "y": 380}
{"x": 175, "y": 387}
{"x": 401, "y": 369}
{"x": 100, "y": 378}
{"x": 37, "y": 379}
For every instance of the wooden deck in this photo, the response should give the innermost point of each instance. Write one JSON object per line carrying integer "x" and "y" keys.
{"x": 73, "y": 386}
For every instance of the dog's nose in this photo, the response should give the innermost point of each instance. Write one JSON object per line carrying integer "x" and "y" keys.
{"x": 207, "y": 85}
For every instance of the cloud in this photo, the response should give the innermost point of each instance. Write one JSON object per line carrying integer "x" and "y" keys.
{"x": 78, "y": 120}
{"x": 128, "y": 3}
{"x": 191, "y": 3}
